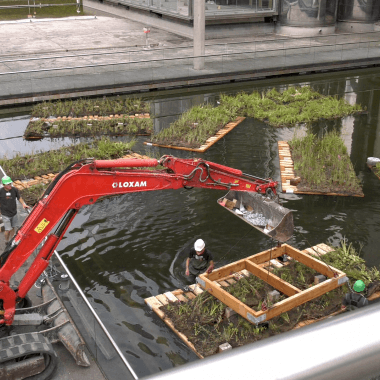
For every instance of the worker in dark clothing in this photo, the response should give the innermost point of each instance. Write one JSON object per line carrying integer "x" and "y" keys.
{"x": 199, "y": 261}
{"x": 8, "y": 207}
{"x": 355, "y": 300}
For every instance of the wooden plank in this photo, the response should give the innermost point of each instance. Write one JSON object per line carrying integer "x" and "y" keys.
{"x": 209, "y": 142}
{"x": 227, "y": 270}
{"x": 162, "y": 299}
{"x": 267, "y": 255}
{"x": 155, "y": 305}
{"x": 302, "y": 297}
{"x": 181, "y": 298}
{"x": 176, "y": 292}
{"x": 273, "y": 280}
{"x": 224, "y": 283}
{"x": 196, "y": 289}
{"x": 170, "y": 296}
{"x": 228, "y": 299}
{"x": 374, "y": 296}
{"x": 326, "y": 247}
{"x": 189, "y": 295}
{"x": 309, "y": 261}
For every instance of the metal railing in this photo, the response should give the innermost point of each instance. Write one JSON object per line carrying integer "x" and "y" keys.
{"x": 125, "y": 67}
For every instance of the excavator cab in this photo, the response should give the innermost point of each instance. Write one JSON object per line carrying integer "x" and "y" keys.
{"x": 260, "y": 212}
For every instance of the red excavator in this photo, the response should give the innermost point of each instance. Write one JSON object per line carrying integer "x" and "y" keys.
{"x": 83, "y": 183}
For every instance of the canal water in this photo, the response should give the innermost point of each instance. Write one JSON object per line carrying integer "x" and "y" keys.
{"x": 122, "y": 250}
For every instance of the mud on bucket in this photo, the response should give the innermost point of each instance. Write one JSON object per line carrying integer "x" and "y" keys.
{"x": 262, "y": 213}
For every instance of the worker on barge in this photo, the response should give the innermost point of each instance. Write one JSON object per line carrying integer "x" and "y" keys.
{"x": 200, "y": 260}
{"x": 355, "y": 299}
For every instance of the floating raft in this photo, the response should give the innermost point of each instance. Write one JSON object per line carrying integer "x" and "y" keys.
{"x": 88, "y": 118}
{"x": 209, "y": 142}
{"x": 287, "y": 173}
{"x": 45, "y": 179}
{"x": 156, "y": 302}
{"x": 93, "y": 117}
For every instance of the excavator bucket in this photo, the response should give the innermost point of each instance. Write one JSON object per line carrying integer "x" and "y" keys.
{"x": 260, "y": 212}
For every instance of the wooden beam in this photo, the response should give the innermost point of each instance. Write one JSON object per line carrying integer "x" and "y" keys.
{"x": 309, "y": 261}
{"x": 226, "y": 270}
{"x": 264, "y": 256}
{"x": 273, "y": 280}
{"x": 303, "y": 297}
{"x": 229, "y": 300}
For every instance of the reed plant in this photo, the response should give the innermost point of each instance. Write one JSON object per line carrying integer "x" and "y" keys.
{"x": 195, "y": 126}
{"x": 27, "y": 166}
{"x": 295, "y": 105}
{"x": 89, "y": 127}
{"x": 324, "y": 164}
{"x": 83, "y": 107}
{"x": 348, "y": 259}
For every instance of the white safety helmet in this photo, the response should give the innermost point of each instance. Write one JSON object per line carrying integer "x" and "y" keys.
{"x": 199, "y": 245}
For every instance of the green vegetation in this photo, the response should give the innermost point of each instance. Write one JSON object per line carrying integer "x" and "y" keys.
{"x": 32, "y": 165}
{"x": 348, "y": 260}
{"x": 324, "y": 165}
{"x": 291, "y": 107}
{"x": 203, "y": 320}
{"x": 89, "y": 127}
{"x": 376, "y": 169}
{"x": 59, "y": 9}
{"x": 86, "y": 107}
{"x": 195, "y": 126}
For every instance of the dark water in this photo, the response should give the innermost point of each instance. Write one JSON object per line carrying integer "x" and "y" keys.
{"x": 125, "y": 249}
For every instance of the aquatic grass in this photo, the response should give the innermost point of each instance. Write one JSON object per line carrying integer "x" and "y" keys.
{"x": 293, "y": 106}
{"x": 323, "y": 164}
{"x": 347, "y": 258}
{"x": 296, "y": 105}
{"x": 195, "y": 126}
{"x": 89, "y": 127}
{"x": 84, "y": 107}
{"x": 54, "y": 161}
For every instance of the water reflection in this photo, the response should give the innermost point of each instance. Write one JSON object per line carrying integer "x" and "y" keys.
{"x": 124, "y": 249}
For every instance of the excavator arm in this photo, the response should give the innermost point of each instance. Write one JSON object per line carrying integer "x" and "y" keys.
{"x": 83, "y": 183}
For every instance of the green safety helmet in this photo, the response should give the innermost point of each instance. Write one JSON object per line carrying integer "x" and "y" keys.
{"x": 359, "y": 286}
{"x": 6, "y": 180}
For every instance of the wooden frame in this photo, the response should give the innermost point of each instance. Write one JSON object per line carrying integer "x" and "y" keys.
{"x": 254, "y": 265}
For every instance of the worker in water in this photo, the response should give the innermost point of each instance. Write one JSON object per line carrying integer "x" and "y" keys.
{"x": 8, "y": 207}
{"x": 355, "y": 299}
{"x": 199, "y": 261}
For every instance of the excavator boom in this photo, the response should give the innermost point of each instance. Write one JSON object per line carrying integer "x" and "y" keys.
{"x": 83, "y": 183}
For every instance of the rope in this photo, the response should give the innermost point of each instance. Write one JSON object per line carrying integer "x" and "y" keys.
{"x": 234, "y": 245}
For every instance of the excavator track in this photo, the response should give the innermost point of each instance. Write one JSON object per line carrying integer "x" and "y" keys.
{"x": 27, "y": 356}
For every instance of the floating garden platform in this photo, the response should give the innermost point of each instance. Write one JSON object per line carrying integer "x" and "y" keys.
{"x": 111, "y": 125}
{"x": 292, "y": 179}
{"x": 209, "y": 142}
{"x": 209, "y": 320}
